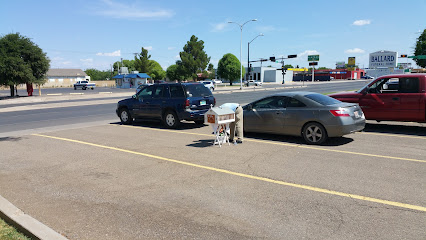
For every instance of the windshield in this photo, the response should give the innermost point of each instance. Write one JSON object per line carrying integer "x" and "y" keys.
{"x": 322, "y": 99}
{"x": 197, "y": 90}
{"x": 366, "y": 86}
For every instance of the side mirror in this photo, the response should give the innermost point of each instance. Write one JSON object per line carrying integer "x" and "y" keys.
{"x": 134, "y": 96}
{"x": 249, "y": 107}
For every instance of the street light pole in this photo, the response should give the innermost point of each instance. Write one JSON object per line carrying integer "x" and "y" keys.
{"x": 241, "y": 48}
{"x": 248, "y": 56}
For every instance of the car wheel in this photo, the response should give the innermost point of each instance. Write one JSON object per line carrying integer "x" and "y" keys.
{"x": 314, "y": 133}
{"x": 83, "y": 88}
{"x": 125, "y": 116}
{"x": 170, "y": 119}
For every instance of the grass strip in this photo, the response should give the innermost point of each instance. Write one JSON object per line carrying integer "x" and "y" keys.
{"x": 8, "y": 232}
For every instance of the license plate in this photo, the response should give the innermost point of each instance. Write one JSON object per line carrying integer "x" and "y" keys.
{"x": 203, "y": 102}
{"x": 356, "y": 113}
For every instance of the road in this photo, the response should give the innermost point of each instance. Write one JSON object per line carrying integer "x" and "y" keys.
{"x": 25, "y": 122}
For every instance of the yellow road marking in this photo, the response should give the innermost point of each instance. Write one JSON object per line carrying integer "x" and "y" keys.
{"x": 288, "y": 145}
{"x": 315, "y": 189}
{"x": 393, "y": 135}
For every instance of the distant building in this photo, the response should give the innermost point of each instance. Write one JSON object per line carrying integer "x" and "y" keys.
{"x": 64, "y": 77}
{"x": 132, "y": 80}
{"x": 269, "y": 74}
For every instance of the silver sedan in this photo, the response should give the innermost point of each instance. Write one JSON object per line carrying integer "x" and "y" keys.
{"x": 313, "y": 116}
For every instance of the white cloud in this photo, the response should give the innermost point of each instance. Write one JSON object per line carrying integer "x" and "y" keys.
{"x": 354, "y": 50}
{"x": 131, "y": 11}
{"x": 219, "y": 27}
{"x": 177, "y": 57}
{"x": 87, "y": 61}
{"x": 149, "y": 48}
{"x": 361, "y": 22}
{"x": 170, "y": 48}
{"x": 308, "y": 52}
{"x": 113, "y": 54}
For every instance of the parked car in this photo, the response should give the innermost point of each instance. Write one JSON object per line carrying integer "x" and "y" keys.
{"x": 398, "y": 97}
{"x": 84, "y": 85}
{"x": 209, "y": 84}
{"x": 169, "y": 102}
{"x": 252, "y": 82}
{"x": 313, "y": 116}
{"x": 367, "y": 77}
{"x": 217, "y": 81}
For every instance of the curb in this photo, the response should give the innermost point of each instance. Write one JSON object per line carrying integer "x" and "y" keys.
{"x": 25, "y": 223}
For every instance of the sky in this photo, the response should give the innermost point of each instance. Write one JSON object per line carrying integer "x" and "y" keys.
{"x": 96, "y": 33}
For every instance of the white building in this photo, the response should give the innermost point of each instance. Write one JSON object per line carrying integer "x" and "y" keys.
{"x": 270, "y": 74}
{"x": 64, "y": 77}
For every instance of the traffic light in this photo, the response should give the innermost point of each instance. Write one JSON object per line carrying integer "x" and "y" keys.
{"x": 292, "y": 56}
{"x": 404, "y": 55}
{"x": 283, "y": 69}
{"x": 272, "y": 59}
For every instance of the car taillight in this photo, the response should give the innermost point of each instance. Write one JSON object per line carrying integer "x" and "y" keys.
{"x": 340, "y": 113}
{"x": 186, "y": 103}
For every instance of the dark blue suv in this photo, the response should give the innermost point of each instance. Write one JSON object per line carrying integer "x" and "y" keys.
{"x": 169, "y": 102}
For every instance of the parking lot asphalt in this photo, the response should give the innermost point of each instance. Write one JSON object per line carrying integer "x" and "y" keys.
{"x": 142, "y": 181}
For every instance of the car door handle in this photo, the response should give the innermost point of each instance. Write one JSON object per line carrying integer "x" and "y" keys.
{"x": 395, "y": 98}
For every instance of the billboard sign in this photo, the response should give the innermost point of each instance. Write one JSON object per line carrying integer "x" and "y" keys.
{"x": 383, "y": 59}
{"x": 340, "y": 64}
{"x": 351, "y": 61}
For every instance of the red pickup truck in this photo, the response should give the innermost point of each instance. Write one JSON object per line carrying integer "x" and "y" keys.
{"x": 399, "y": 97}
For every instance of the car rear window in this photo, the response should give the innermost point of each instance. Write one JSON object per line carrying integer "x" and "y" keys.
{"x": 197, "y": 90}
{"x": 322, "y": 99}
{"x": 176, "y": 91}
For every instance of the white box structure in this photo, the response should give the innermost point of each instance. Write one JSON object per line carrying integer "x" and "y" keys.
{"x": 219, "y": 118}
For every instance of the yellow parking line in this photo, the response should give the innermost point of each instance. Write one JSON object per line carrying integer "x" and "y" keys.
{"x": 310, "y": 188}
{"x": 289, "y": 145}
{"x": 393, "y": 135}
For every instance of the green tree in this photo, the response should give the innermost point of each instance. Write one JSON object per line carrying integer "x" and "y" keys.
{"x": 171, "y": 72}
{"x": 130, "y": 64}
{"x": 175, "y": 72}
{"x": 193, "y": 57}
{"x": 211, "y": 71}
{"x": 142, "y": 63}
{"x": 229, "y": 68}
{"x": 97, "y": 74}
{"x": 420, "y": 49}
{"x": 288, "y": 66}
{"x": 21, "y": 62}
{"x": 155, "y": 71}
